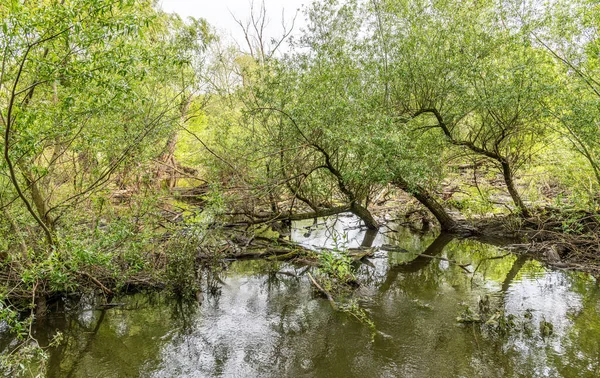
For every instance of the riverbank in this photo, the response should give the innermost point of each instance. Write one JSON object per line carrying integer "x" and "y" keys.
{"x": 561, "y": 239}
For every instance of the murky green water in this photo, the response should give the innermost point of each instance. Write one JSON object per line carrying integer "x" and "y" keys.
{"x": 260, "y": 323}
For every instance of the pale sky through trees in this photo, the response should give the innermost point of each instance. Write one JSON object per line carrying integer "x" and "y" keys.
{"x": 219, "y": 13}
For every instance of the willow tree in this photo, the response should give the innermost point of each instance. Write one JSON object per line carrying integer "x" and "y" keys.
{"x": 313, "y": 109}
{"x": 83, "y": 89}
{"x": 322, "y": 119}
{"x": 480, "y": 83}
{"x": 569, "y": 32}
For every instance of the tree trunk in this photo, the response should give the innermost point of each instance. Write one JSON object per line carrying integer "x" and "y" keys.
{"x": 365, "y": 215}
{"x": 514, "y": 194}
{"x": 360, "y": 211}
{"x": 492, "y": 154}
{"x": 39, "y": 200}
{"x": 169, "y": 162}
{"x": 17, "y": 232}
{"x": 427, "y": 200}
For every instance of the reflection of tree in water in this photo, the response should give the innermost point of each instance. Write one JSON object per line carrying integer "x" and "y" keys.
{"x": 117, "y": 341}
{"x": 254, "y": 322}
{"x": 514, "y": 270}
{"x": 265, "y": 323}
{"x": 430, "y": 290}
{"x": 581, "y": 356}
{"x": 419, "y": 263}
{"x": 369, "y": 238}
{"x": 89, "y": 340}
{"x": 574, "y": 347}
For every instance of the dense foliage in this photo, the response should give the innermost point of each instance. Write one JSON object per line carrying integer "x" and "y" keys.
{"x": 124, "y": 127}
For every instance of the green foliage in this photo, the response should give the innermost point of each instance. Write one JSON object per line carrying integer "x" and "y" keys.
{"x": 95, "y": 93}
{"x": 336, "y": 266}
{"x": 352, "y": 308}
{"x": 182, "y": 270}
{"x": 569, "y": 33}
{"x": 90, "y": 90}
{"x": 182, "y": 250}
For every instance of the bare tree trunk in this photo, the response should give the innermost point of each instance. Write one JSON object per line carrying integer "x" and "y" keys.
{"x": 272, "y": 201}
{"x": 316, "y": 214}
{"x": 39, "y": 200}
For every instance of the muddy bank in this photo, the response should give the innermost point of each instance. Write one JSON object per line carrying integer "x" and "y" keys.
{"x": 562, "y": 240}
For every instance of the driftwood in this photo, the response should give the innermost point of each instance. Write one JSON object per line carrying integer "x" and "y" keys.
{"x": 272, "y": 253}
{"x": 268, "y": 217}
{"x": 359, "y": 253}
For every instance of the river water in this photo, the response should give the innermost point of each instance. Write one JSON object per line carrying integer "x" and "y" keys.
{"x": 258, "y": 322}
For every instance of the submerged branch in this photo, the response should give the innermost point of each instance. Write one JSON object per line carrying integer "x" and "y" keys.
{"x": 325, "y": 292}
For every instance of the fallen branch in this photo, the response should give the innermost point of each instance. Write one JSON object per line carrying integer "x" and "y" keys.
{"x": 329, "y": 297}
{"x": 98, "y": 283}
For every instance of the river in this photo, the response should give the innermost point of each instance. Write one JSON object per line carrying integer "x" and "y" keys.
{"x": 259, "y": 322}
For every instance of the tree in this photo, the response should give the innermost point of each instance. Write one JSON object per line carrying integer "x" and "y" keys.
{"x": 313, "y": 109}
{"x": 325, "y": 112}
{"x": 569, "y": 33}
{"x": 82, "y": 91}
{"x": 479, "y": 83}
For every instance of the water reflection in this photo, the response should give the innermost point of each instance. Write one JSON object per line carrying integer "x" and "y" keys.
{"x": 345, "y": 230}
{"x": 265, "y": 324}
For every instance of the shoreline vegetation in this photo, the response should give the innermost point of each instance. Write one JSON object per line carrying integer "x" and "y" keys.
{"x": 543, "y": 238}
{"x": 140, "y": 150}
